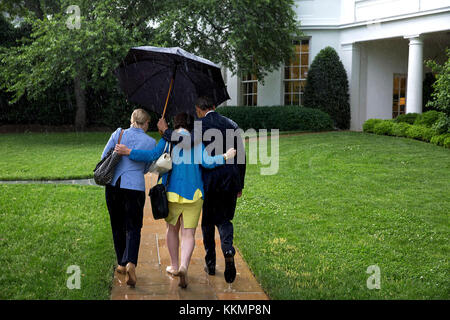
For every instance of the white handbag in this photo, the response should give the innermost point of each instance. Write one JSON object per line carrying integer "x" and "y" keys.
{"x": 164, "y": 162}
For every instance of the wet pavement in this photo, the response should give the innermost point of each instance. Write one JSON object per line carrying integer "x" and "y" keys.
{"x": 153, "y": 283}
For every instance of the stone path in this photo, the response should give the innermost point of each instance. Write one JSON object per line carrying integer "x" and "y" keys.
{"x": 153, "y": 283}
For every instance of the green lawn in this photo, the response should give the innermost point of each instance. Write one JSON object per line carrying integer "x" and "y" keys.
{"x": 343, "y": 201}
{"x": 38, "y": 156}
{"x": 44, "y": 229}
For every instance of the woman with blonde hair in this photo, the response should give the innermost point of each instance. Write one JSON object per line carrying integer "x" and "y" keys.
{"x": 185, "y": 190}
{"x": 125, "y": 195}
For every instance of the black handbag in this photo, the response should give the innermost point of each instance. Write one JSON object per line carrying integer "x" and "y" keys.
{"x": 104, "y": 170}
{"x": 158, "y": 199}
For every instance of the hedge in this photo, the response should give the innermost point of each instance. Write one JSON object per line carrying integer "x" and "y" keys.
{"x": 404, "y": 129}
{"x": 407, "y": 117}
{"x": 284, "y": 118}
{"x": 447, "y": 142}
{"x": 369, "y": 125}
{"x": 439, "y": 139}
{"x": 420, "y": 133}
{"x": 383, "y": 127}
{"x": 428, "y": 118}
{"x": 399, "y": 129}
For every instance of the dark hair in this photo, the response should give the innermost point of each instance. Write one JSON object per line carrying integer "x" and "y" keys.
{"x": 204, "y": 103}
{"x": 183, "y": 120}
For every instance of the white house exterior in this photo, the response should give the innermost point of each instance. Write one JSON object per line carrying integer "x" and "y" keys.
{"x": 382, "y": 44}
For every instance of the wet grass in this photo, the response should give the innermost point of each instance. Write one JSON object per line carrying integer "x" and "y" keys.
{"x": 48, "y": 156}
{"x": 44, "y": 229}
{"x": 344, "y": 201}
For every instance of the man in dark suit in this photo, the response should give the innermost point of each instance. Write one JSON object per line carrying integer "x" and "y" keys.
{"x": 222, "y": 185}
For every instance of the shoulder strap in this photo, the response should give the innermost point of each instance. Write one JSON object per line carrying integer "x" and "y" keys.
{"x": 120, "y": 137}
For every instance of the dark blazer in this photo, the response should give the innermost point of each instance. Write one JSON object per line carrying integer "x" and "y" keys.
{"x": 229, "y": 177}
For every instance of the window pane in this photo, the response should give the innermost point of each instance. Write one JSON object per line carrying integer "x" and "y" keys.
{"x": 287, "y": 99}
{"x": 304, "y": 59}
{"x": 295, "y": 73}
{"x": 250, "y": 100}
{"x": 304, "y": 72}
{"x": 303, "y": 84}
{"x": 255, "y": 99}
{"x": 296, "y": 61}
{"x": 286, "y": 73}
{"x": 296, "y": 99}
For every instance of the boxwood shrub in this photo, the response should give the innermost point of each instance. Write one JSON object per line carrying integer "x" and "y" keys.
{"x": 428, "y": 118}
{"x": 284, "y": 118}
{"x": 383, "y": 127}
{"x": 447, "y": 142}
{"x": 439, "y": 139}
{"x": 420, "y": 133}
{"x": 369, "y": 125}
{"x": 407, "y": 117}
{"x": 399, "y": 129}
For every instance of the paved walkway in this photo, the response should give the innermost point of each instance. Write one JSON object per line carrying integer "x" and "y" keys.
{"x": 153, "y": 283}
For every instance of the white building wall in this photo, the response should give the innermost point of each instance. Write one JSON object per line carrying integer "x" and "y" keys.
{"x": 369, "y": 38}
{"x": 384, "y": 59}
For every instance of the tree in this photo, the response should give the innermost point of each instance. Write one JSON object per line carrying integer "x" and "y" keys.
{"x": 327, "y": 87}
{"x": 441, "y": 94}
{"x": 247, "y": 35}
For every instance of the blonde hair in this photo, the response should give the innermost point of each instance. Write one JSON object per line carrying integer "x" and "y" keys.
{"x": 139, "y": 117}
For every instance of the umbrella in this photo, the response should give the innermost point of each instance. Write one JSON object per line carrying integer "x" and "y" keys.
{"x": 169, "y": 80}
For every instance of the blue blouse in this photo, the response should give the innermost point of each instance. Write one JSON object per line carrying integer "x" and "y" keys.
{"x": 131, "y": 173}
{"x": 185, "y": 176}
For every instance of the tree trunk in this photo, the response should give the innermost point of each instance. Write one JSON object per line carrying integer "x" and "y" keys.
{"x": 80, "y": 98}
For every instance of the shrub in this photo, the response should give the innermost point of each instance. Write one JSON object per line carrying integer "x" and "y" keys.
{"x": 369, "y": 125}
{"x": 439, "y": 139}
{"x": 442, "y": 124}
{"x": 327, "y": 87}
{"x": 284, "y": 118}
{"x": 420, "y": 133}
{"x": 399, "y": 129}
{"x": 408, "y": 118}
{"x": 441, "y": 93}
{"x": 384, "y": 127}
{"x": 447, "y": 142}
{"x": 428, "y": 118}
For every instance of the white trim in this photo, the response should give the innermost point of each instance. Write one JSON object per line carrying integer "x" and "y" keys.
{"x": 366, "y": 22}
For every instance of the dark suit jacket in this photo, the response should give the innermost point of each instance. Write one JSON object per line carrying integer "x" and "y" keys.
{"x": 229, "y": 177}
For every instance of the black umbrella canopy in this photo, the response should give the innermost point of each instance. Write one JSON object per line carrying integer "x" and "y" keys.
{"x": 146, "y": 73}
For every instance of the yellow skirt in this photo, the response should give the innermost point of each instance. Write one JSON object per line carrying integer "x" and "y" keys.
{"x": 190, "y": 211}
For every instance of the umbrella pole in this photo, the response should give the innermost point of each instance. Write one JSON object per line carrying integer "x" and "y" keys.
{"x": 168, "y": 95}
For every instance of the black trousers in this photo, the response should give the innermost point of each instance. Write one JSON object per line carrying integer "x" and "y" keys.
{"x": 218, "y": 210}
{"x": 126, "y": 211}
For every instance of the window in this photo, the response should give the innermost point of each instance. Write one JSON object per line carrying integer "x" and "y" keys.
{"x": 249, "y": 90}
{"x": 295, "y": 73}
{"x": 399, "y": 95}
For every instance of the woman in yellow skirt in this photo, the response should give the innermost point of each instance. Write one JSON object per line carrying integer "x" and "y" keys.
{"x": 185, "y": 190}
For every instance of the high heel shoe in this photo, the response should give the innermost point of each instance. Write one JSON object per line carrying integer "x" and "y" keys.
{"x": 182, "y": 273}
{"x": 131, "y": 274}
{"x": 172, "y": 271}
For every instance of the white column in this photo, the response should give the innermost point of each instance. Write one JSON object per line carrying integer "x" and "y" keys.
{"x": 415, "y": 75}
{"x": 351, "y": 61}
